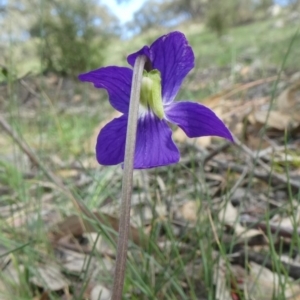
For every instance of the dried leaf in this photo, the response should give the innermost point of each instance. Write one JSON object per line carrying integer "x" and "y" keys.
{"x": 50, "y": 277}
{"x": 263, "y": 284}
{"x": 221, "y": 281}
{"x": 13, "y": 273}
{"x": 289, "y": 100}
{"x": 4, "y": 292}
{"x": 276, "y": 119}
{"x": 288, "y": 222}
{"x": 245, "y": 233}
{"x": 74, "y": 262}
{"x": 76, "y": 226}
{"x": 228, "y": 214}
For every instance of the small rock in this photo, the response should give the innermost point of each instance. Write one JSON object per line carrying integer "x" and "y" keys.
{"x": 189, "y": 211}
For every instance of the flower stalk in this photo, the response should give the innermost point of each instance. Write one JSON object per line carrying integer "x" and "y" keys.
{"x": 127, "y": 177}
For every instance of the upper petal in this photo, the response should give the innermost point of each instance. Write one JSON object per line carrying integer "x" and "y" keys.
{"x": 173, "y": 57}
{"x": 110, "y": 147}
{"x": 116, "y": 81}
{"x": 144, "y": 51}
{"x": 196, "y": 120}
{"x": 154, "y": 144}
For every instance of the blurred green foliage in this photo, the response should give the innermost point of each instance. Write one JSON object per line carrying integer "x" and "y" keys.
{"x": 72, "y": 36}
{"x": 221, "y": 15}
{"x": 218, "y": 15}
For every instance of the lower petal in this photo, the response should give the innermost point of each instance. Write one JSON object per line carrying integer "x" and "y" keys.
{"x": 196, "y": 120}
{"x": 110, "y": 147}
{"x": 154, "y": 144}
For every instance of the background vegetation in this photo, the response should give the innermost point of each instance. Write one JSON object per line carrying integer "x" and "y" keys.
{"x": 247, "y": 65}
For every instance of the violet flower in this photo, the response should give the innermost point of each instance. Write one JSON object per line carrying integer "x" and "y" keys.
{"x": 170, "y": 58}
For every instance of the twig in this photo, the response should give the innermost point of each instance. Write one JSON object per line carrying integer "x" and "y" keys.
{"x": 273, "y": 228}
{"x": 266, "y": 261}
{"x": 127, "y": 178}
{"x": 51, "y": 176}
{"x": 240, "y": 169}
{"x": 28, "y": 88}
{"x": 238, "y": 182}
{"x": 23, "y": 146}
{"x": 254, "y": 157}
{"x": 272, "y": 149}
{"x": 204, "y": 155}
{"x": 247, "y": 86}
{"x": 216, "y": 151}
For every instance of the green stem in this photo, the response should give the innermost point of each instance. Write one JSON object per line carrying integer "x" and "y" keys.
{"x": 127, "y": 177}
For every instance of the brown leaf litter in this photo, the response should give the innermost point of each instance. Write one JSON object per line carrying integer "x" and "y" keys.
{"x": 244, "y": 194}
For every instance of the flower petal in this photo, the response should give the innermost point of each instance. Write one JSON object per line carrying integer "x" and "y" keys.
{"x": 173, "y": 57}
{"x": 196, "y": 120}
{"x": 110, "y": 147}
{"x": 154, "y": 144}
{"x": 144, "y": 51}
{"x": 116, "y": 81}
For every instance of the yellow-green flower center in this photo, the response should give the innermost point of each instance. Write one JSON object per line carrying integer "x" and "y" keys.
{"x": 151, "y": 92}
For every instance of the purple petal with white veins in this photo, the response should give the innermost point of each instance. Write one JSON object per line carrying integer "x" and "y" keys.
{"x": 116, "y": 81}
{"x": 110, "y": 147}
{"x": 154, "y": 144}
{"x": 196, "y": 120}
{"x": 173, "y": 57}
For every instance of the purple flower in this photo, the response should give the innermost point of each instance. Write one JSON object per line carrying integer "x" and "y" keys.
{"x": 170, "y": 58}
